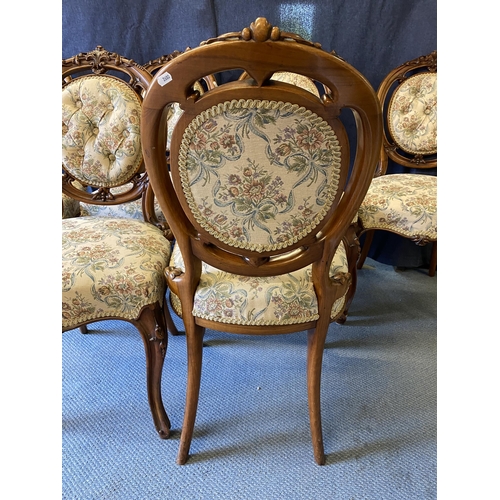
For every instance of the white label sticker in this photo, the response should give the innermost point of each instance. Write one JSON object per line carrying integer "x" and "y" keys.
{"x": 164, "y": 79}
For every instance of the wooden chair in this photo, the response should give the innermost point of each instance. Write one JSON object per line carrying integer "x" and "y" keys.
{"x": 406, "y": 203}
{"x": 260, "y": 194}
{"x": 112, "y": 266}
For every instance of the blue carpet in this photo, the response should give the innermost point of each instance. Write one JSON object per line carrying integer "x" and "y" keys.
{"x": 252, "y": 438}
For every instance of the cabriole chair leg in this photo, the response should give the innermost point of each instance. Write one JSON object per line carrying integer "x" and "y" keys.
{"x": 315, "y": 345}
{"x": 194, "y": 340}
{"x": 152, "y": 328}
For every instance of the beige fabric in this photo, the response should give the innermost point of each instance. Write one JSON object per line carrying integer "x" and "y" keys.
{"x": 403, "y": 203}
{"x": 240, "y": 300}
{"x": 101, "y": 131}
{"x": 412, "y": 114}
{"x": 259, "y": 175}
{"x": 175, "y": 112}
{"x": 70, "y": 207}
{"x": 111, "y": 267}
{"x": 130, "y": 210}
{"x": 298, "y": 80}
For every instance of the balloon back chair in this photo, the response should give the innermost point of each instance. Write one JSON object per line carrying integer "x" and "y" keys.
{"x": 112, "y": 267}
{"x": 260, "y": 194}
{"x": 406, "y": 203}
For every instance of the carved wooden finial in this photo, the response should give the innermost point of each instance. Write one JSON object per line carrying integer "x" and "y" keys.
{"x": 260, "y": 31}
{"x": 99, "y": 57}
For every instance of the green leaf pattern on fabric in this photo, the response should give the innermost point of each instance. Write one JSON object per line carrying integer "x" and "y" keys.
{"x": 259, "y": 174}
{"x": 403, "y": 203}
{"x": 412, "y": 114}
{"x": 101, "y": 143}
{"x": 230, "y": 298}
{"x": 110, "y": 268}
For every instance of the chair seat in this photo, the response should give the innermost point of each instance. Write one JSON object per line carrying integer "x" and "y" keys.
{"x": 111, "y": 268}
{"x": 403, "y": 203}
{"x": 240, "y": 300}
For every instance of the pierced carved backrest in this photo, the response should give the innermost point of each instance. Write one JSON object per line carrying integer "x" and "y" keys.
{"x": 261, "y": 171}
{"x": 101, "y": 120}
{"x": 409, "y": 98}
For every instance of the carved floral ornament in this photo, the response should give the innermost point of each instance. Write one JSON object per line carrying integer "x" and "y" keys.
{"x": 261, "y": 30}
{"x": 429, "y": 60}
{"x": 98, "y": 59}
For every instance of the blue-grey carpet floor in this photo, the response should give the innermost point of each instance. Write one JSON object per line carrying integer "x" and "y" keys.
{"x": 252, "y": 438}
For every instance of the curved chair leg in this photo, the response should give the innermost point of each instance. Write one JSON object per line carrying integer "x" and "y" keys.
{"x": 152, "y": 328}
{"x": 366, "y": 248}
{"x": 433, "y": 262}
{"x": 352, "y": 246}
{"x": 84, "y": 329}
{"x": 194, "y": 341}
{"x": 315, "y": 346}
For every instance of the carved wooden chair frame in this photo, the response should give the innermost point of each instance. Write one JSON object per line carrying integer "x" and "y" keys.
{"x": 152, "y": 321}
{"x": 260, "y": 50}
{"x": 391, "y": 150}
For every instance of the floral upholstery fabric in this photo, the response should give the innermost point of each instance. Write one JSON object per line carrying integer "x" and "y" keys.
{"x": 175, "y": 112}
{"x": 242, "y": 300}
{"x": 70, "y": 207}
{"x": 110, "y": 268}
{"x": 403, "y": 203}
{"x": 295, "y": 79}
{"x": 412, "y": 114}
{"x": 130, "y": 210}
{"x": 259, "y": 175}
{"x": 101, "y": 130}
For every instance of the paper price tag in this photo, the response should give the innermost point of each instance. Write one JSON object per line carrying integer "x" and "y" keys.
{"x": 164, "y": 79}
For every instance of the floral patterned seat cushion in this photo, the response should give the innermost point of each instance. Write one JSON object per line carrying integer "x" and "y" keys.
{"x": 403, "y": 203}
{"x": 259, "y": 175}
{"x": 412, "y": 114}
{"x": 101, "y": 143}
{"x": 111, "y": 267}
{"x": 242, "y": 300}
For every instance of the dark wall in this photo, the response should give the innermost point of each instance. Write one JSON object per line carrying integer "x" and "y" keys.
{"x": 373, "y": 35}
